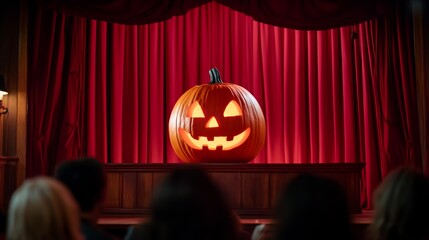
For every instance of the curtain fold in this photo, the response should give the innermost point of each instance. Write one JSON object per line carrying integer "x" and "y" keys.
{"x": 123, "y": 11}
{"x": 330, "y": 96}
{"x": 304, "y": 14}
{"x": 310, "y": 14}
{"x": 55, "y": 88}
{"x": 365, "y": 70}
{"x": 395, "y": 78}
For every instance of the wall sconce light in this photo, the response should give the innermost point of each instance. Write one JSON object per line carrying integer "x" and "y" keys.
{"x": 3, "y": 109}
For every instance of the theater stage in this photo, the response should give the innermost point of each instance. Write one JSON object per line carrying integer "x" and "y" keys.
{"x": 252, "y": 190}
{"x": 118, "y": 225}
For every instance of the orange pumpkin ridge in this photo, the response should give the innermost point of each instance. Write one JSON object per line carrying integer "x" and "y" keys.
{"x": 217, "y": 123}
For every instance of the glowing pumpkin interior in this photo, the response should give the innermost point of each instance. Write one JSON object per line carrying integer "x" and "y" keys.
{"x": 218, "y": 142}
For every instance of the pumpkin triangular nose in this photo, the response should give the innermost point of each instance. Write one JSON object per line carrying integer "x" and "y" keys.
{"x": 212, "y": 123}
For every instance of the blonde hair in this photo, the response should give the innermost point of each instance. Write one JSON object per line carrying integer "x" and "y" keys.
{"x": 401, "y": 207}
{"x": 42, "y": 208}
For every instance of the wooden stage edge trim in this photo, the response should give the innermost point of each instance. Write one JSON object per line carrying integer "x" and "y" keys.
{"x": 365, "y": 218}
{"x": 251, "y": 189}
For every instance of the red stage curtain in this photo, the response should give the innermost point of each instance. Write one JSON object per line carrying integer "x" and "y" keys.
{"x": 303, "y": 14}
{"x": 107, "y": 90}
{"x": 388, "y": 113}
{"x": 396, "y": 96}
{"x": 55, "y": 88}
{"x": 124, "y": 11}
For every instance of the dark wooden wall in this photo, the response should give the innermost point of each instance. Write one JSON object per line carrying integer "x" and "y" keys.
{"x": 9, "y": 48}
{"x": 13, "y": 66}
{"x": 252, "y": 189}
{"x": 8, "y": 167}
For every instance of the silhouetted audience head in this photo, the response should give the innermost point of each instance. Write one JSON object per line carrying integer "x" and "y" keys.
{"x": 86, "y": 180}
{"x": 313, "y": 207}
{"x": 401, "y": 207}
{"x": 43, "y": 209}
{"x": 2, "y": 224}
{"x": 189, "y": 205}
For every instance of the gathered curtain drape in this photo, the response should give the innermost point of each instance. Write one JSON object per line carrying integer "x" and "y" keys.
{"x": 106, "y": 90}
{"x": 304, "y": 14}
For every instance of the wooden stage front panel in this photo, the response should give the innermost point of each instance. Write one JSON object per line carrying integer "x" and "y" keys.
{"x": 252, "y": 189}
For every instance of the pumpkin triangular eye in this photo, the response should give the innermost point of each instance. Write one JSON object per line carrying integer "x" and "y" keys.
{"x": 195, "y": 111}
{"x": 232, "y": 110}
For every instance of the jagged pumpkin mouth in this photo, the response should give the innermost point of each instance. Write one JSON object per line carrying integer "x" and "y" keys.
{"x": 219, "y": 142}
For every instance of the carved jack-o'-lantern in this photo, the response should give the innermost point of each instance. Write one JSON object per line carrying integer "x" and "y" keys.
{"x": 217, "y": 122}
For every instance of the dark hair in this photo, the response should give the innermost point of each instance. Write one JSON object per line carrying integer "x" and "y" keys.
{"x": 86, "y": 180}
{"x": 313, "y": 207}
{"x": 401, "y": 207}
{"x": 3, "y": 219}
{"x": 189, "y": 205}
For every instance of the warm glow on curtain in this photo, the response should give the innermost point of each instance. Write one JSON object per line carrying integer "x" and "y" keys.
{"x": 107, "y": 90}
{"x": 302, "y": 79}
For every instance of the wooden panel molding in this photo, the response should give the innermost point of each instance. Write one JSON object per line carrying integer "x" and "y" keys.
{"x": 252, "y": 189}
{"x": 8, "y": 169}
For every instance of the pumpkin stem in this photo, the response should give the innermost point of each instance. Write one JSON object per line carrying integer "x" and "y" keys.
{"x": 214, "y": 76}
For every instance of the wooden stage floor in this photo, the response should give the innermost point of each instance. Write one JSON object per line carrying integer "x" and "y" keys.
{"x": 118, "y": 225}
{"x": 363, "y": 218}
